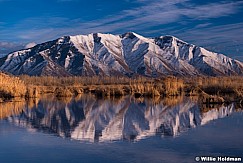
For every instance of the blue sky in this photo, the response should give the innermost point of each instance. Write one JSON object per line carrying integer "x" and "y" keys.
{"x": 215, "y": 25}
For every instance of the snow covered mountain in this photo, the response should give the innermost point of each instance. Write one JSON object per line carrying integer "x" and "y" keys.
{"x": 127, "y": 54}
{"x": 89, "y": 119}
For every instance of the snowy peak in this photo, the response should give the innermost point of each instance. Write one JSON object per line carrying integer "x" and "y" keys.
{"x": 127, "y": 54}
{"x": 129, "y": 35}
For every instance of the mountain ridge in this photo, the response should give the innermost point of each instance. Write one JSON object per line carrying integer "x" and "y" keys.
{"x": 128, "y": 54}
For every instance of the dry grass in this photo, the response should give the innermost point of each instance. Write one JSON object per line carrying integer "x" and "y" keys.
{"x": 216, "y": 89}
{"x": 105, "y": 86}
{"x": 74, "y": 81}
{"x": 208, "y": 90}
{"x": 211, "y": 89}
{"x": 11, "y": 86}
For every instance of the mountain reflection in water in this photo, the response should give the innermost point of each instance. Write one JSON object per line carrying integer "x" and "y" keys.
{"x": 90, "y": 119}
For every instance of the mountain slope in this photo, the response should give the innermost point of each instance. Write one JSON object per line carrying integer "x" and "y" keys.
{"x": 127, "y": 54}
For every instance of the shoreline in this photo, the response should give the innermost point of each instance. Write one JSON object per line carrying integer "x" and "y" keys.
{"x": 209, "y": 90}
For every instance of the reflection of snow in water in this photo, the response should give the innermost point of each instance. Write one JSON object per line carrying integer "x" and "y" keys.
{"x": 217, "y": 113}
{"x": 90, "y": 119}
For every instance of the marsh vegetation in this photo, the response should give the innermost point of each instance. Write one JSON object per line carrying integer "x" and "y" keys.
{"x": 207, "y": 89}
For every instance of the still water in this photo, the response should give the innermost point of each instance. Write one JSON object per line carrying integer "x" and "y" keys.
{"x": 86, "y": 129}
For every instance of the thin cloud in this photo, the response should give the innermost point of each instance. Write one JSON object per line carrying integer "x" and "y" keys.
{"x": 7, "y": 47}
{"x": 30, "y": 45}
{"x": 212, "y": 10}
{"x": 137, "y": 19}
{"x": 141, "y": 19}
{"x": 203, "y": 25}
{"x": 227, "y": 32}
{"x": 222, "y": 38}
